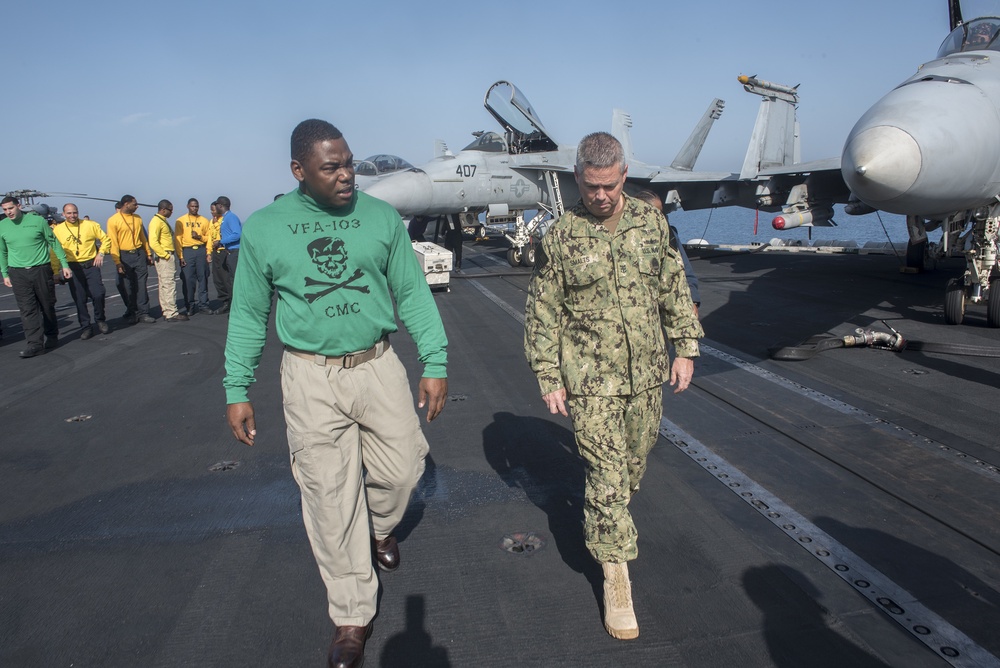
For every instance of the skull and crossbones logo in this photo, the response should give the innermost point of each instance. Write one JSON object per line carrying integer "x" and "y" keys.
{"x": 330, "y": 257}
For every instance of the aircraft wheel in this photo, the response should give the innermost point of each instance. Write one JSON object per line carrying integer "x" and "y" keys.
{"x": 954, "y": 302}
{"x": 514, "y": 256}
{"x": 993, "y": 305}
{"x": 915, "y": 255}
{"x": 528, "y": 257}
{"x": 481, "y": 231}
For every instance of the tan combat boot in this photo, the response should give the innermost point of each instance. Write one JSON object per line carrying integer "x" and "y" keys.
{"x": 619, "y": 618}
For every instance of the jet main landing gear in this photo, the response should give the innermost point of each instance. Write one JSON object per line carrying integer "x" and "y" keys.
{"x": 521, "y": 256}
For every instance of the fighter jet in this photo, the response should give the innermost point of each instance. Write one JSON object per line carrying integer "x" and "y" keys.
{"x": 930, "y": 150}
{"x": 499, "y": 175}
{"x": 524, "y": 169}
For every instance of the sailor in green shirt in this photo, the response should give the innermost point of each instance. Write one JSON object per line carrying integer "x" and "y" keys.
{"x": 337, "y": 258}
{"x": 25, "y": 241}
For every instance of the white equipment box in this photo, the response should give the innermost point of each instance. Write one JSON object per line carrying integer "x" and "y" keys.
{"x": 436, "y": 263}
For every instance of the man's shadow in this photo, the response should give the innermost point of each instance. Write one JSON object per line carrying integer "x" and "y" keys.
{"x": 795, "y": 626}
{"x": 540, "y": 457}
{"x": 955, "y": 592}
{"x": 413, "y": 646}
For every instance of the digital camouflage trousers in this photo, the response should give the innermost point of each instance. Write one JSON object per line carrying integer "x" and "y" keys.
{"x": 614, "y": 435}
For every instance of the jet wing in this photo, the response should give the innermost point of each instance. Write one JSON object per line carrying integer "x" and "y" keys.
{"x": 562, "y": 159}
{"x": 685, "y": 177}
{"x": 813, "y": 166}
{"x": 802, "y": 186}
{"x": 697, "y": 190}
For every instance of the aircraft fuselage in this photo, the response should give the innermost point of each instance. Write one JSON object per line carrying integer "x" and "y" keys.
{"x": 469, "y": 181}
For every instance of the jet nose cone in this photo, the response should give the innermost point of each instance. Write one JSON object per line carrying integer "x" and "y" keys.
{"x": 930, "y": 146}
{"x": 408, "y": 192}
{"x": 881, "y": 163}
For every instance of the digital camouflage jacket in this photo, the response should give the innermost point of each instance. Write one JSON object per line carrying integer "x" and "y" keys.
{"x": 599, "y": 304}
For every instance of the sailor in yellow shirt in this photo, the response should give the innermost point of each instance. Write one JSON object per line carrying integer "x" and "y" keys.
{"x": 161, "y": 240}
{"x": 86, "y": 245}
{"x": 192, "y": 233}
{"x": 130, "y": 251}
{"x": 220, "y": 274}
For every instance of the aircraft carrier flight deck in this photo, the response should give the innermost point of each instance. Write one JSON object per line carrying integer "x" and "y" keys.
{"x": 838, "y": 511}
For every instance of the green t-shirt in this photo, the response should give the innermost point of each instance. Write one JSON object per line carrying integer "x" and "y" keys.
{"x": 26, "y": 243}
{"x": 336, "y": 273}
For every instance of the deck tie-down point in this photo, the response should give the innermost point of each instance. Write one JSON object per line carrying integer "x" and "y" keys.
{"x": 523, "y": 542}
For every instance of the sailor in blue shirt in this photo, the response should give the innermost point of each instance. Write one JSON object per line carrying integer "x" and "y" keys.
{"x": 229, "y": 232}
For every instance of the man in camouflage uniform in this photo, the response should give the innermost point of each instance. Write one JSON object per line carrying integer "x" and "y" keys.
{"x": 606, "y": 286}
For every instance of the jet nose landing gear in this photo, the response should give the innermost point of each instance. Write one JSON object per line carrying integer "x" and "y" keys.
{"x": 980, "y": 281}
{"x": 958, "y": 295}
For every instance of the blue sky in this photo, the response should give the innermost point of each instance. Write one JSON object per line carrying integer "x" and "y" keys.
{"x": 199, "y": 98}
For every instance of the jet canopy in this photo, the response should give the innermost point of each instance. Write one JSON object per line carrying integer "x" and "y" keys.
{"x": 524, "y": 132}
{"x": 976, "y": 35}
{"x": 489, "y": 142}
{"x": 380, "y": 164}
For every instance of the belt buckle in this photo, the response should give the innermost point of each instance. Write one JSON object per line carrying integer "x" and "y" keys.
{"x": 348, "y": 361}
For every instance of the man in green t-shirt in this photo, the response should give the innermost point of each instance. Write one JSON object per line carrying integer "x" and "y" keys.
{"x": 336, "y": 257}
{"x": 25, "y": 240}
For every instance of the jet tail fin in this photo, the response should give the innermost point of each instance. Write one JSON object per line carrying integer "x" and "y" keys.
{"x": 775, "y": 138}
{"x": 621, "y": 123}
{"x": 441, "y": 149}
{"x": 689, "y": 153}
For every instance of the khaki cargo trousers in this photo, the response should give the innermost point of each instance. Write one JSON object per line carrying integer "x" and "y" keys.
{"x": 357, "y": 452}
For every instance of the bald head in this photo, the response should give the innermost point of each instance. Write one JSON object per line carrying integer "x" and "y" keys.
{"x": 71, "y": 213}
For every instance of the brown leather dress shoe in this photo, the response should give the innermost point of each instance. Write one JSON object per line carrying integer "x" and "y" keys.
{"x": 386, "y": 552}
{"x": 348, "y": 647}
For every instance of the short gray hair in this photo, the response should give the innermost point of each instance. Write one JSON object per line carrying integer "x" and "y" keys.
{"x": 601, "y": 150}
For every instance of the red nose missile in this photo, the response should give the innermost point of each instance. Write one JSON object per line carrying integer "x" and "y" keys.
{"x": 789, "y": 220}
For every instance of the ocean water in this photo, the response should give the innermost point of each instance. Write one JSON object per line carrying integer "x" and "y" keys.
{"x": 736, "y": 225}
